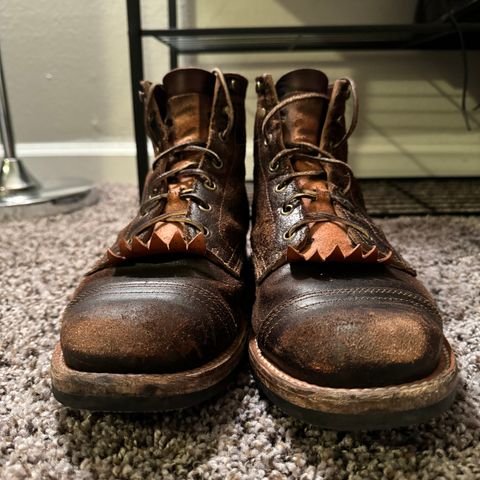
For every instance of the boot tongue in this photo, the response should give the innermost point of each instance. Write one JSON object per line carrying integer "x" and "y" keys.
{"x": 189, "y": 94}
{"x": 303, "y": 122}
{"x": 303, "y": 119}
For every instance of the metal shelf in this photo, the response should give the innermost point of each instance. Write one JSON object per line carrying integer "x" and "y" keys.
{"x": 354, "y": 37}
{"x": 450, "y": 33}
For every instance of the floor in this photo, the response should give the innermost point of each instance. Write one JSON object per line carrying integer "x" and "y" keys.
{"x": 239, "y": 435}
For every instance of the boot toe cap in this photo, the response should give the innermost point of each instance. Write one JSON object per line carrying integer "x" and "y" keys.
{"x": 347, "y": 344}
{"x": 146, "y": 326}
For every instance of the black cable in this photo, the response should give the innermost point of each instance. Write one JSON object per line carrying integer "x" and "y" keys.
{"x": 459, "y": 31}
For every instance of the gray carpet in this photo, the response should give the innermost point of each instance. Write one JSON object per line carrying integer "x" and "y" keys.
{"x": 240, "y": 435}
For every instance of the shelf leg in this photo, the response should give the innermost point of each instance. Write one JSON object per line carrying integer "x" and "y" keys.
{"x": 136, "y": 75}
{"x": 172, "y": 24}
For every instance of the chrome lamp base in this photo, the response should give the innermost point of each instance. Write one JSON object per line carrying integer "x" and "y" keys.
{"x": 22, "y": 196}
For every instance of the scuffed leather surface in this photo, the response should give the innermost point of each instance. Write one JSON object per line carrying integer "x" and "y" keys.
{"x": 228, "y": 219}
{"x": 302, "y": 121}
{"x": 269, "y": 225}
{"x": 341, "y": 325}
{"x": 335, "y": 324}
{"x": 170, "y": 307}
{"x": 169, "y": 315}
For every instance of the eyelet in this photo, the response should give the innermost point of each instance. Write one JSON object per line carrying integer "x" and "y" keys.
{"x": 209, "y": 184}
{"x": 346, "y": 189}
{"x": 206, "y": 232}
{"x": 267, "y": 139}
{"x": 287, "y": 209}
{"x": 259, "y": 86}
{"x": 205, "y": 209}
{"x": 273, "y": 167}
{"x": 279, "y": 188}
{"x": 185, "y": 191}
{"x": 222, "y": 137}
{"x": 262, "y": 112}
{"x": 288, "y": 235}
{"x": 233, "y": 84}
{"x": 217, "y": 164}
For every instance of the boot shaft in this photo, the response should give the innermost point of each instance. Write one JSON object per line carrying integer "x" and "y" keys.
{"x": 194, "y": 200}
{"x": 307, "y": 204}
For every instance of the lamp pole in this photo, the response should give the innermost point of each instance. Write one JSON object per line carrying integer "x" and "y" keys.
{"x": 14, "y": 177}
{"x": 21, "y": 195}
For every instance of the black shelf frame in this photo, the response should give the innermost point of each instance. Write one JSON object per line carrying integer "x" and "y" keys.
{"x": 431, "y": 36}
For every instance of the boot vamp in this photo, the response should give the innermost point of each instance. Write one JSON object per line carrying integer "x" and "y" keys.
{"x": 156, "y": 317}
{"x": 349, "y": 326}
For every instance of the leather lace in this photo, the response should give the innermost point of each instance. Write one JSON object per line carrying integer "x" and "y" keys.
{"x": 321, "y": 157}
{"x": 157, "y": 189}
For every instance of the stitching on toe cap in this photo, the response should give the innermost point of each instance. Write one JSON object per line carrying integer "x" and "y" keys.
{"x": 392, "y": 295}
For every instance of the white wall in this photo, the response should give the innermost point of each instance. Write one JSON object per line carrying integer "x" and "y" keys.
{"x": 66, "y": 64}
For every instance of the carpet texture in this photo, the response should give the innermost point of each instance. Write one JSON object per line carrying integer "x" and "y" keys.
{"x": 239, "y": 435}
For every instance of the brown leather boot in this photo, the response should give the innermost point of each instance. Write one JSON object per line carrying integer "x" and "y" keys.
{"x": 345, "y": 336}
{"x": 160, "y": 322}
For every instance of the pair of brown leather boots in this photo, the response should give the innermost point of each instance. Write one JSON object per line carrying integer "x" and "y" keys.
{"x": 342, "y": 334}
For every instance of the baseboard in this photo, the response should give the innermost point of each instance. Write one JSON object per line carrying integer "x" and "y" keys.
{"x": 76, "y": 149}
{"x": 114, "y": 161}
{"x": 111, "y": 161}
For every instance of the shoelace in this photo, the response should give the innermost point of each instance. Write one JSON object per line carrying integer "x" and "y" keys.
{"x": 305, "y": 150}
{"x": 157, "y": 189}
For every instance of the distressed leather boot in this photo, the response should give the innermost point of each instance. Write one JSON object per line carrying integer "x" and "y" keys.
{"x": 345, "y": 336}
{"x": 160, "y": 322}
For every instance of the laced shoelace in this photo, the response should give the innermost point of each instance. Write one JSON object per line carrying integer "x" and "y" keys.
{"x": 311, "y": 152}
{"x": 157, "y": 189}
